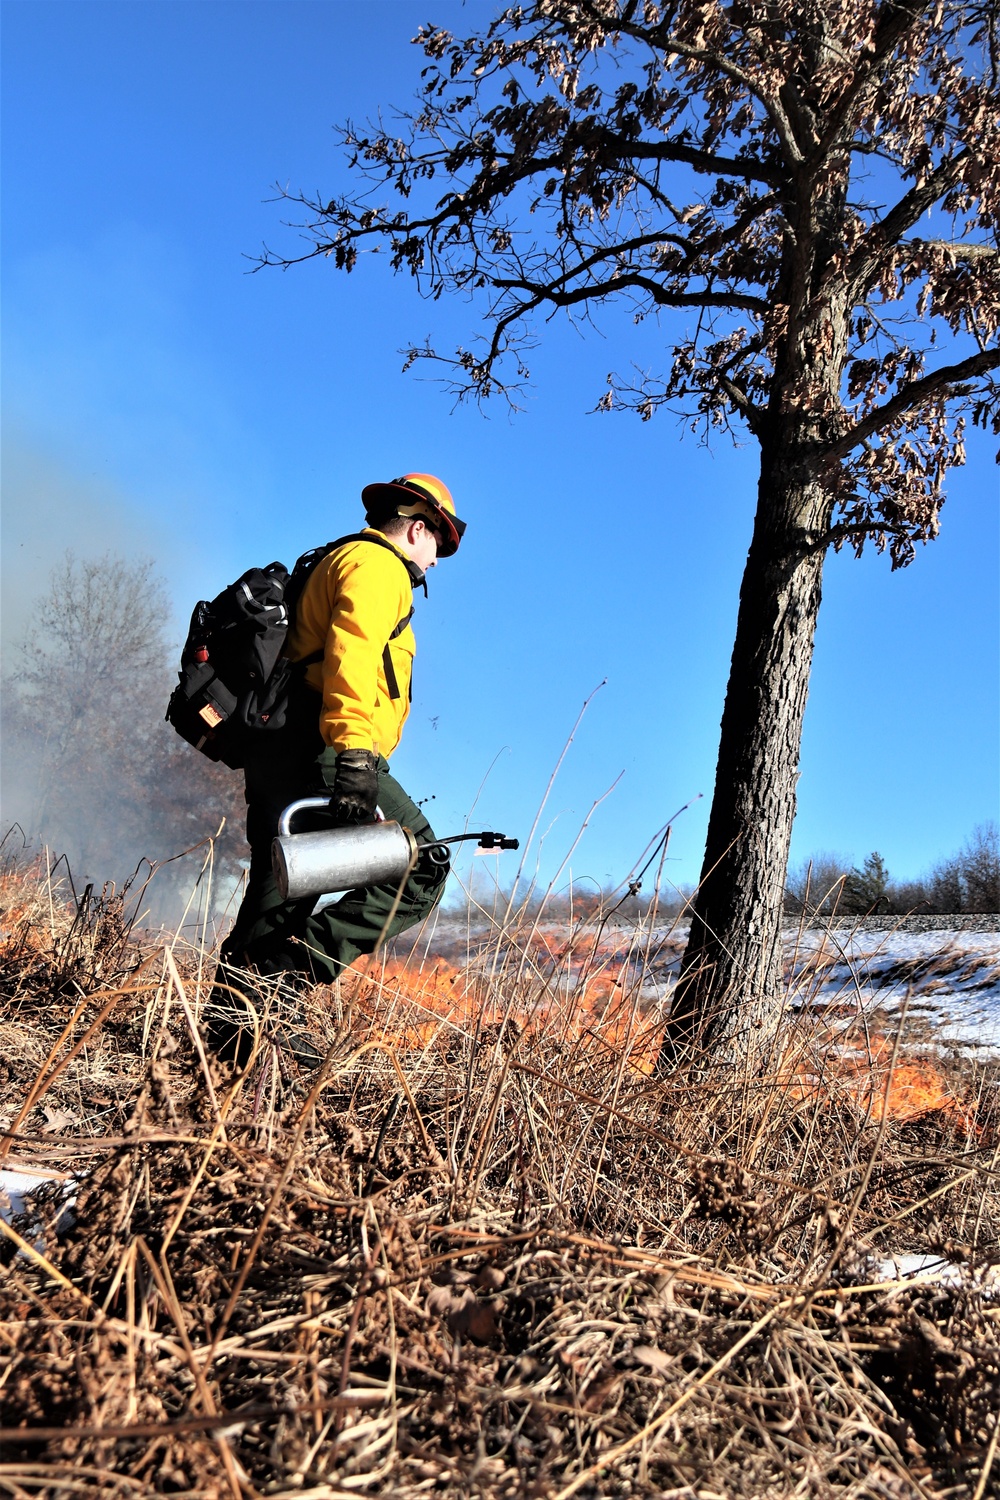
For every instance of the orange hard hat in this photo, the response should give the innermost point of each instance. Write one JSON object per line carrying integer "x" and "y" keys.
{"x": 416, "y": 495}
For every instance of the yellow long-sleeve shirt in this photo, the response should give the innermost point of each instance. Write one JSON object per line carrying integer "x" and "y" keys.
{"x": 350, "y": 606}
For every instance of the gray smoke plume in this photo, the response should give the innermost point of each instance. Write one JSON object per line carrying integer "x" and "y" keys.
{"x": 89, "y": 768}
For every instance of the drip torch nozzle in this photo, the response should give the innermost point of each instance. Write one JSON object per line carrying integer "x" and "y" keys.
{"x": 437, "y": 852}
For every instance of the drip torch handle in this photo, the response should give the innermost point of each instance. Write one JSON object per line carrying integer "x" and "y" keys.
{"x": 285, "y": 821}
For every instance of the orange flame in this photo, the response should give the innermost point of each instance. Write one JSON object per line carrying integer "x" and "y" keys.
{"x": 914, "y": 1089}
{"x": 591, "y": 1010}
{"x": 594, "y": 1011}
{"x": 906, "y": 1090}
{"x": 409, "y": 1006}
{"x": 21, "y": 931}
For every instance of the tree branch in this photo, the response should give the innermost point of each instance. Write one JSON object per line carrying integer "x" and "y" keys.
{"x": 625, "y": 148}
{"x": 752, "y": 414}
{"x": 691, "y": 249}
{"x": 947, "y": 378}
{"x": 640, "y": 242}
{"x": 740, "y": 301}
{"x": 888, "y": 230}
{"x": 895, "y": 18}
{"x": 848, "y": 529}
{"x": 779, "y": 119}
{"x": 645, "y": 35}
{"x": 701, "y": 161}
{"x": 960, "y": 249}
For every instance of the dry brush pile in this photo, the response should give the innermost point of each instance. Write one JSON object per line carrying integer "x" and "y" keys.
{"x": 485, "y": 1251}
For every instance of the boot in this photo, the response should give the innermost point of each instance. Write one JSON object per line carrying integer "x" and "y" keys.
{"x": 229, "y": 1029}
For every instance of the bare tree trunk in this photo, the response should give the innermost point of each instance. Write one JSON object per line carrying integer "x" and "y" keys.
{"x": 727, "y": 994}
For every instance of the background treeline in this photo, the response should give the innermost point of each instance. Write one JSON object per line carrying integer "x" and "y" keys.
{"x": 89, "y": 768}
{"x": 966, "y": 882}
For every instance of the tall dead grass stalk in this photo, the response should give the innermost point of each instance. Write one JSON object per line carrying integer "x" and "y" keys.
{"x": 485, "y": 1249}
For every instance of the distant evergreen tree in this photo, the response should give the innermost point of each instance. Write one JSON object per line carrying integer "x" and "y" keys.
{"x": 867, "y": 890}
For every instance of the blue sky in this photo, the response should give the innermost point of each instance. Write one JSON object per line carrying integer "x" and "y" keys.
{"x": 160, "y": 399}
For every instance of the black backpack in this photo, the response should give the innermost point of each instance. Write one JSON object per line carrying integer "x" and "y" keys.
{"x": 234, "y": 683}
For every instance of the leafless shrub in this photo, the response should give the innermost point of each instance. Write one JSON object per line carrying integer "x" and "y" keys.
{"x": 816, "y": 886}
{"x": 970, "y": 880}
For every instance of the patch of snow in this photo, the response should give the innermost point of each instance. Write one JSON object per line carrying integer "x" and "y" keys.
{"x": 948, "y": 977}
{"x": 923, "y": 1267}
{"x": 17, "y": 1187}
{"x": 949, "y": 980}
{"x": 900, "y": 1267}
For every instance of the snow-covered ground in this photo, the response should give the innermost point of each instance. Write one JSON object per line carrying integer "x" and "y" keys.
{"x": 948, "y": 982}
{"x": 19, "y": 1183}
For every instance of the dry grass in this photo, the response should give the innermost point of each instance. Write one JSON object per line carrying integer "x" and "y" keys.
{"x": 485, "y": 1251}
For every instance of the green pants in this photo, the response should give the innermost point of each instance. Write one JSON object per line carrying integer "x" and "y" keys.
{"x": 275, "y": 936}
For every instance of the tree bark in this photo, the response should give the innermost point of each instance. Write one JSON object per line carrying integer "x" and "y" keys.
{"x": 727, "y": 996}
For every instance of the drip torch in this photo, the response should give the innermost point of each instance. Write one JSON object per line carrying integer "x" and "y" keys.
{"x": 360, "y": 854}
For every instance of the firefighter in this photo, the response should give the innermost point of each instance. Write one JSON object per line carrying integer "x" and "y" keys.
{"x": 345, "y": 721}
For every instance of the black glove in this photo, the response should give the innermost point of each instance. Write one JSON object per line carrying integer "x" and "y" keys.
{"x": 352, "y": 781}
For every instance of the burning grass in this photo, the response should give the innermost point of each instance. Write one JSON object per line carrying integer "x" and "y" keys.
{"x": 485, "y": 1251}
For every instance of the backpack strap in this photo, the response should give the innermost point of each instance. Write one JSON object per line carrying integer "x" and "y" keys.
{"x": 389, "y": 669}
{"x": 310, "y": 560}
{"x": 417, "y": 577}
